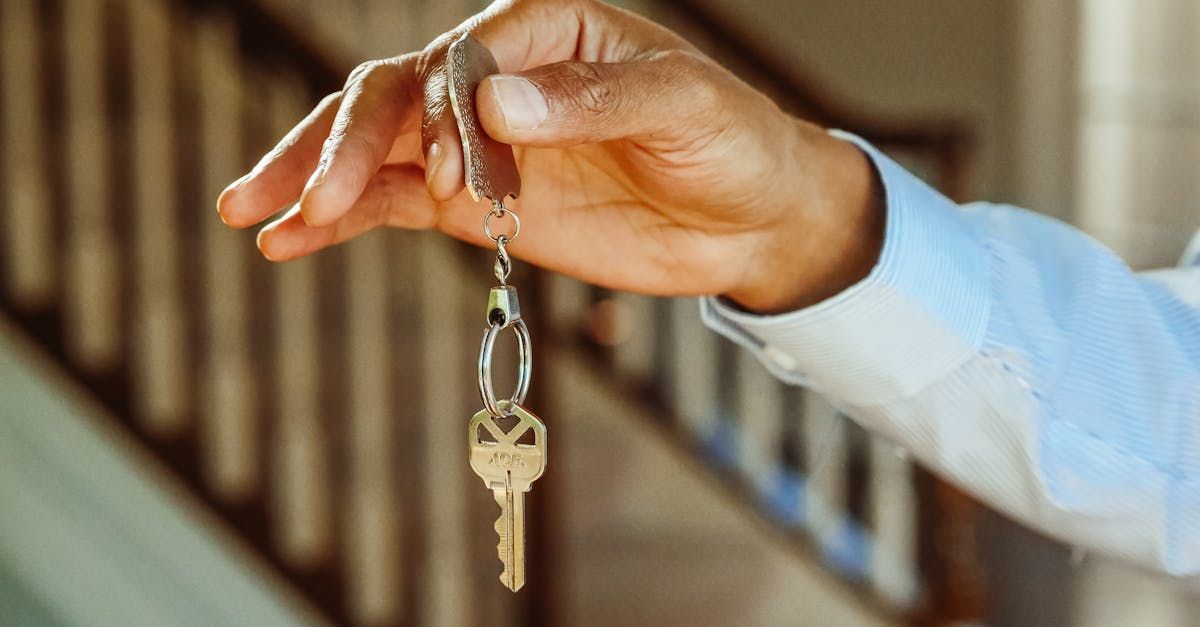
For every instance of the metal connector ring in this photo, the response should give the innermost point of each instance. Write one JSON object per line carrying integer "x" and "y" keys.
{"x": 524, "y": 366}
{"x": 499, "y": 211}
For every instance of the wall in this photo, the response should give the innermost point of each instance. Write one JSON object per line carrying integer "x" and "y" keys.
{"x": 936, "y": 58}
{"x": 1139, "y": 125}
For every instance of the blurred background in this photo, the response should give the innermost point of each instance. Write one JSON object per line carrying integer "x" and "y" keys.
{"x": 192, "y": 435}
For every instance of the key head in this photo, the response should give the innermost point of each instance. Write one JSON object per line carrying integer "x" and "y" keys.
{"x": 488, "y": 165}
{"x": 497, "y": 456}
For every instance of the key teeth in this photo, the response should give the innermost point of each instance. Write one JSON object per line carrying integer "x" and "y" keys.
{"x": 502, "y": 553}
{"x": 504, "y": 580}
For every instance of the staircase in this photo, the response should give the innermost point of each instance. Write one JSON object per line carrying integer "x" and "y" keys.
{"x": 96, "y": 533}
{"x": 314, "y": 406}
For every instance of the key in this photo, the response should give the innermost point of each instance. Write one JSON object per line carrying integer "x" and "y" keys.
{"x": 508, "y": 468}
{"x": 496, "y": 435}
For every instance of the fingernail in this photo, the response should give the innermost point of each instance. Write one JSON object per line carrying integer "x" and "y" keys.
{"x": 318, "y": 176}
{"x": 221, "y": 203}
{"x": 306, "y": 207}
{"x": 433, "y": 161}
{"x": 238, "y": 184}
{"x": 261, "y": 241}
{"x": 522, "y": 105}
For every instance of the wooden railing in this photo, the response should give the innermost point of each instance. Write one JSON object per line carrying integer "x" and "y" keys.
{"x": 274, "y": 389}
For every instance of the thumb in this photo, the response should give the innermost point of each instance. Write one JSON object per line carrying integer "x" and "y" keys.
{"x": 572, "y": 102}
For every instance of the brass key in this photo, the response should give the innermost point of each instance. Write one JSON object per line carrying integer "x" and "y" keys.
{"x": 508, "y": 467}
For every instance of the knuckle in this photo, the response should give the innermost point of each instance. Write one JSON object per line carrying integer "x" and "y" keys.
{"x": 681, "y": 60}
{"x": 360, "y": 71}
{"x": 707, "y": 95}
{"x": 434, "y": 53}
{"x": 689, "y": 72}
{"x": 686, "y": 66}
{"x": 585, "y": 87}
{"x": 379, "y": 73}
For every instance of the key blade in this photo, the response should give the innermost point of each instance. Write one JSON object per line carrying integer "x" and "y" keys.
{"x": 518, "y": 539}
{"x": 489, "y": 166}
{"x": 510, "y": 527}
{"x": 504, "y": 529}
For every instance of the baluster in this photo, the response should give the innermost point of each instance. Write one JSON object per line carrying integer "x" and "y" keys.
{"x": 693, "y": 370}
{"x": 302, "y": 511}
{"x": 228, "y": 429}
{"x": 373, "y": 513}
{"x": 760, "y": 409}
{"x": 893, "y": 513}
{"x": 569, "y": 302}
{"x": 407, "y": 382}
{"x": 851, "y": 549}
{"x": 28, "y": 228}
{"x": 790, "y": 488}
{"x": 450, "y": 598}
{"x": 160, "y": 356}
{"x": 825, "y": 442}
{"x": 91, "y": 279}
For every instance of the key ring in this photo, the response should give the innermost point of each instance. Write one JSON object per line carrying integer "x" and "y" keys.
{"x": 499, "y": 211}
{"x": 524, "y": 365}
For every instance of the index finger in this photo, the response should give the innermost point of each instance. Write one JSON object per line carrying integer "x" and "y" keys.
{"x": 377, "y": 105}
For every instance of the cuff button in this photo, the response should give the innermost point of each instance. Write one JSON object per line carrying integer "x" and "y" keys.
{"x": 779, "y": 358}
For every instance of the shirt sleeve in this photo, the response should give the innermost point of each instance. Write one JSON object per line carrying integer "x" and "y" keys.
{"x": 1018, "y": 358}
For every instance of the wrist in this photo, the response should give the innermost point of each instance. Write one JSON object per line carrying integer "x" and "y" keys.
{"x": 830, "y": 236}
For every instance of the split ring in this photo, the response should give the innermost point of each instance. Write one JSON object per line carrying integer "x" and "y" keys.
{"x": 524, "y": 366}
{"x": 500, "y": 212}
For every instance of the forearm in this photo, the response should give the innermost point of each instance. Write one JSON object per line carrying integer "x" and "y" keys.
{"x": 1021, "y": 360}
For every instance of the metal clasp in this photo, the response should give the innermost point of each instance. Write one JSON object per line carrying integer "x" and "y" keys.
{"x": 503, "y": 307}
{"x": 504, "y": 311}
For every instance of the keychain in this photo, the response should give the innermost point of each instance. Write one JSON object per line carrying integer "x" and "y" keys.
{"x": 507, "y": 466}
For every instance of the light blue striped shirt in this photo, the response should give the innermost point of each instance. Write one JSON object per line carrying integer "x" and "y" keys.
{"x": 1020, "y": 359}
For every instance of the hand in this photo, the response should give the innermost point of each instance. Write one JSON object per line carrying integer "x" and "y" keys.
{"x": 645, "y": 165}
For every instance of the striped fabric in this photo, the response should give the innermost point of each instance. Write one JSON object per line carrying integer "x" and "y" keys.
{"x": 1020, "y": 359}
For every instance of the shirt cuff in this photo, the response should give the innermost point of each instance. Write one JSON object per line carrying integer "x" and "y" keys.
{"x": 921, "y": 312}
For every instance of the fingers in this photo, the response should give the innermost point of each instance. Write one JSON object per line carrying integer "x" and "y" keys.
{"x": 439, "y": 139}
{"x": 572, "y": 102}
{"x": 377, "y": 104}
{"x": 519, "y": 35}
{"x": 381, "y": 99}
{"x": 279, "y": 177}
{"x": 395, "y": 196}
